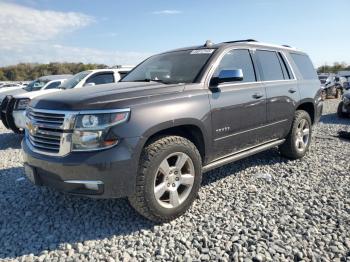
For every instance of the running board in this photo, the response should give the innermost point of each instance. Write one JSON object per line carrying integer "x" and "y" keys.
{"x": 243, "y": 154}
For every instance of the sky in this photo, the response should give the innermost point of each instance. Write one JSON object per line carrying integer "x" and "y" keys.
{"x": 126, "y": 32}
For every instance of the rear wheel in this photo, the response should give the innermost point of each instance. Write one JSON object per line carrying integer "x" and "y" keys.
{"x": 168, "y": 180}
{"x": 299, "y": 138}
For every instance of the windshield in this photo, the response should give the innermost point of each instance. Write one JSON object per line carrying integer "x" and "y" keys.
{"x": 171, "y": 68}
{"x": 36, "y": 85}
{"x": 72, "y": 82}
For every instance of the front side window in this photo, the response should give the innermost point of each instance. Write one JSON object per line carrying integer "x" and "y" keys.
{"x": 100, "y": 79}
{"x": 53, "y": 85}
{"x": 270, "y": 65}
{"x": 171, "y": 68}
{"x": 238, "y": 59}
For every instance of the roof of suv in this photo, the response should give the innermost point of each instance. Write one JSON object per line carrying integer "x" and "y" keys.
{"x": 249, "y": 42}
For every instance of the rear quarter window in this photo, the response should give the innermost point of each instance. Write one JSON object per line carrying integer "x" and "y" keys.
{"x": 305, "y": 66}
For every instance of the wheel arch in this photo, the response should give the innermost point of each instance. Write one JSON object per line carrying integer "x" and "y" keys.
{"x": 191, "y": 129}
{"x": 308, "y": 106}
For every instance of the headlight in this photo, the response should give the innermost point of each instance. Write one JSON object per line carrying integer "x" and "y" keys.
{"x": 346, "y": 100}
{"x": 22, "y": 104}
{"x": 92, "y": 130}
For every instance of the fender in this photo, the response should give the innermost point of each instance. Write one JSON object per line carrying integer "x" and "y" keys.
{"x": 171, "y": 124}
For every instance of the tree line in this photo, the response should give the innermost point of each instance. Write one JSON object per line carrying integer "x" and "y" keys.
{"x": 26, "y": 71}
{"x": 336, "y": 67}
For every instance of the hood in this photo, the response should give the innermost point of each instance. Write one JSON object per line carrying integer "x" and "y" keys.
{"x": 5, "y": 89}
{"x": 34, "y": 94}
{"x": 11, "y": 92}
{"x": 109, "y": 96}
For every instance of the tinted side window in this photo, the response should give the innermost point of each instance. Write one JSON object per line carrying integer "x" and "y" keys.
{"x": 238, "y": 59}
{"x": 286, "y": 67}
{"x": 101, "y": 79}
{"x": 270, "y": 65}
{"x": 53, "y": 85}
{"x": 305, "y": 66}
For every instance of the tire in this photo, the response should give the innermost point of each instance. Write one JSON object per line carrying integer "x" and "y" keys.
{"x": 158, "y": 169}
{"x": 340, "y": 112}
{"x": 299, "y": 138}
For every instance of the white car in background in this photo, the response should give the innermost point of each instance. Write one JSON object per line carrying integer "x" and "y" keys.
{"x": 15, "y": 116}
{"x": 44, "y": 82}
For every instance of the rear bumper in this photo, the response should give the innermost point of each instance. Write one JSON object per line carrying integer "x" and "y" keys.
{"x": 101, "y": 174}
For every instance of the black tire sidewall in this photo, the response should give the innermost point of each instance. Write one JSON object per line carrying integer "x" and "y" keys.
{"x": 300, "y": 116}
{"x": 151, "y": 173}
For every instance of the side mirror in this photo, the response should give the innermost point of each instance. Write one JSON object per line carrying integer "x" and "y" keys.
{"x": 89, "y": 84}
{"x": 228, "y": 76}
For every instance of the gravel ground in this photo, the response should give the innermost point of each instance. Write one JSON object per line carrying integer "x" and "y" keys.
{"x": 261, "y": 208}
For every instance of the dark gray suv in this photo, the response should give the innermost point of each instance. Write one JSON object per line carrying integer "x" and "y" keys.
{"x": 176, "y": 115}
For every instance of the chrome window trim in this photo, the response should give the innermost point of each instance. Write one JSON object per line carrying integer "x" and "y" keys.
{"x": 218, "y": 60}
{"x": 253, "y": 49}
{"x": 284, "y": 56}
{"x": 289, "y": 64}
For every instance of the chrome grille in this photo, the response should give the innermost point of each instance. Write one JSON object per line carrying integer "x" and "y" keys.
{"x": 48, "y": 120}
{"x": 45, "y": 131}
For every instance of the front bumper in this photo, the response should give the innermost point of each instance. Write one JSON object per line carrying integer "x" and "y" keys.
{"x": 109, "y": 173}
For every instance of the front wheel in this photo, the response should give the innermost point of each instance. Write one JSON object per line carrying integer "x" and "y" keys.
{"x": 299, "y": 138}
{"x": 168, "y": 180}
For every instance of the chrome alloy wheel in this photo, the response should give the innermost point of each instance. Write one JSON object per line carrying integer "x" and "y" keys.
{"x": 302, "y": 135}
{"x": 174, "y": 180}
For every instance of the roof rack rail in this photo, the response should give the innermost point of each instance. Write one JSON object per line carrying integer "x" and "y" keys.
{"x": 287, "y": 46}
{"x": 239, "y": 41}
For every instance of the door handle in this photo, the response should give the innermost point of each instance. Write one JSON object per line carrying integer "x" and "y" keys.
{"x": 257, "y": 95}
{"x": 292, "y": 90}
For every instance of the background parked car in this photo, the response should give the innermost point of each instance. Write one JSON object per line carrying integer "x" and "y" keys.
{"x": 344, "y": 106}
{"x": 8, "y": 103}
{"x": 14, "y": 106}
{"x": 332, "y": 85}
{"x": 40, "y": 83}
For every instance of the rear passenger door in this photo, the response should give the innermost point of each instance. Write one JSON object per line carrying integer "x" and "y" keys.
{"x": 238, "y": 108}
{"x": 282, "y": 92}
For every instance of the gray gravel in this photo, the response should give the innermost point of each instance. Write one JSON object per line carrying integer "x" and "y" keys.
{"x": 261, "y": 208}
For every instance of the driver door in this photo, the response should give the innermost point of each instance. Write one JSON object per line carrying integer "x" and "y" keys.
{"x": 238, "y": 108}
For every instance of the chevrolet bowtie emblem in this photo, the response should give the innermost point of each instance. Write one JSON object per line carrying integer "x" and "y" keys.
{"x": 32, "y": 128}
